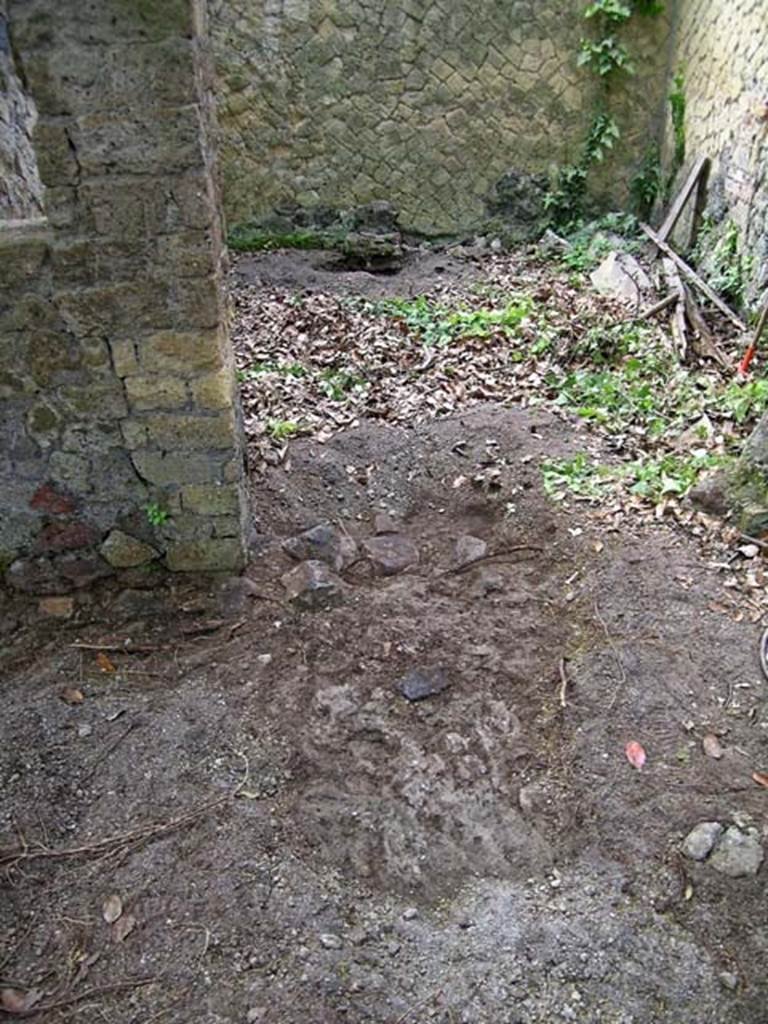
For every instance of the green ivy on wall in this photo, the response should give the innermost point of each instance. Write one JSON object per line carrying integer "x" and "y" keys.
{"x": 606, "y": 56}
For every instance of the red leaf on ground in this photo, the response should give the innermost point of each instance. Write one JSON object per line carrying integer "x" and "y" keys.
{"x": 761, "y": 778}
{"x": 635, "y": 754}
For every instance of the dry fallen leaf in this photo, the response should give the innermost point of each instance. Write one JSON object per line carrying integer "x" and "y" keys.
{"x": 13, "y": 1001}
{"x": 104, "y": 663}
{"x": 112, "y": 909}
{"x": 72, "y": 696}
{"x": 122, "y": 929}
{"x": 635, "y": 754}
{"x": 711, "y": 746}
{"x": 761, "y": 778}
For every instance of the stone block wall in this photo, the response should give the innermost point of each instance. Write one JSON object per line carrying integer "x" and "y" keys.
{"x": 21, "y": 191}
{"x": 721, "y": 49}
{"x": 427, "y": 104}
{"x": 119, "y": 438}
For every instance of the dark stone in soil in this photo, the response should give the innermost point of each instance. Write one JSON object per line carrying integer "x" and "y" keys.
{"x": 391, "y": 553}
{"x": 323, "y": 543}
{"x": 35, "y": 576}
{"x": 710, "y": 495}
{"x": 313, "y": 586}
{"x": 421, "y": 683}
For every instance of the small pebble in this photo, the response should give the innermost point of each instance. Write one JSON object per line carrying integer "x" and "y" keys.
{"x": 728, "y": 980}
{"x": 410, "y": 913}
{"x": 330, "y": 941}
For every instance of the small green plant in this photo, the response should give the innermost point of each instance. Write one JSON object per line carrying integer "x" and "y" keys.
{"x": 612, "y": 10}
{"x": 156, "y": 514}
{"x": 591, "y": 243}
{"x": 437, "y": 325}
{"x": 337, "y": 384}
{"x": 647, "y": 8}
{"x": 246, "y": 238}
{"x": 745, "y": 401}
{"x": 647, "y": 184}
{"x": 656, "y": 478}
{"x": 565, "y": 200}
{"x": 282, "y": 430}
{"x": 577, "y": 475}
{"x": 605, "y": 56}
{"x": 719, "y": 256}
{"x": 677, "y": 104}
{"x": 259, "y": 369}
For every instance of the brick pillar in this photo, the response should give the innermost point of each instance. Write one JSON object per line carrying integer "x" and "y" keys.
{"x": 142, "y": 433}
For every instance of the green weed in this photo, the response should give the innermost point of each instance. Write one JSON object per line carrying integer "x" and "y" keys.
{"x": 719, "y": 254}
{"x": 677, "y": 105}
{"x": 244, "y": 238}
{"x": 282, "y": 430}
{"x": 259, "y": 369}
{"x": 436, "y": 325}
{"x": 578, "y": 475}
{"x": 337, "y": 384}
{"x": 156, "y": 514}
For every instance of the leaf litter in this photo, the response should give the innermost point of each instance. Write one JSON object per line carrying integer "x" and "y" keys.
{"x": 529, "y": 333}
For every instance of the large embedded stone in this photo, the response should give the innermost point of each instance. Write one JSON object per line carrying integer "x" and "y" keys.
{"x": 391, "y": 553}
{"x": 620, "y": 276}
{"x": 323, "y": 543}
{"x": 312, "y": 586}
{"x": 125, "y": 552}
{"x": 699, "y": 842}
{"x": 738, "y": 854}
{"x": 421, "y": 683}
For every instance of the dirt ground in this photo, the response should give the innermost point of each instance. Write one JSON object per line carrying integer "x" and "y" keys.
{"x": 295, "y": 842}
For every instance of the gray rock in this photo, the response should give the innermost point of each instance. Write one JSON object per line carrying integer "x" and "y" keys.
{"x": 710, "y": 495}
{"x": 330, "y": 941}
{"x": 383, "y": 522}
{"x": 469, "y": 549}
{"x": 313, "y": 586}
{"x": 551, "y": 244}
{"x": 35, "y": 576}
{"x": 410, "y": 913}
{"x": 324, "y": 543}
{"x": 235, "y": 594}
{"x": 620, "y": 276}
{"x": 125, "y": 552}
{"x": 391, "y": 553}
{"x": 421, "y": 683}
{"x": 728, "y": 980}
{"x": 699, "y": 842}
{"x": 738, "y": 854}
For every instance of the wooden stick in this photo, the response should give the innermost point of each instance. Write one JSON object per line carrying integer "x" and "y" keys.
{"x": 126, "y": 648}
{"x": 675, "y": 282}
{"x": 563, "y": 683}
{"x": 693, "y": 277}
{"x": 682, "y": 197}
{"x": 706, "y": 345}
{"x": 659, "y": 307}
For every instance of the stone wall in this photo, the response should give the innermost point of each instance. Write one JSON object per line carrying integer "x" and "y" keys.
{"x": 119, "y": 441}
{"x": 721, "y": 48}
{"x": 21, "y": 191}
{"x": 425, "y": 103}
